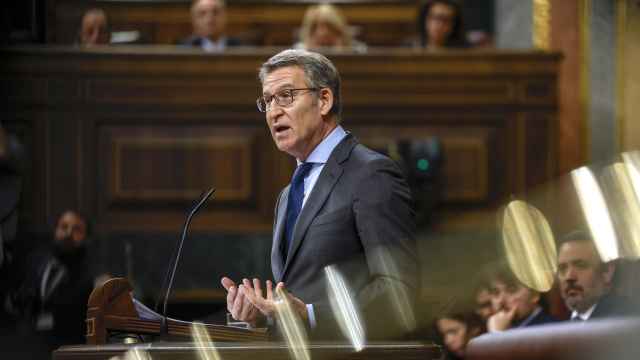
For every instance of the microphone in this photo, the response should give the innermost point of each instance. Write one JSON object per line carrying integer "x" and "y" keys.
{"x": 171, "y": 271}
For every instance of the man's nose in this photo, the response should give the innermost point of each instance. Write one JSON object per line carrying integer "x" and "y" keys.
{"x": 571, "y": 274}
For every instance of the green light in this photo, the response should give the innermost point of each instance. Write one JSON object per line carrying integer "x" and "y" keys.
{"x": 423, "y": 164}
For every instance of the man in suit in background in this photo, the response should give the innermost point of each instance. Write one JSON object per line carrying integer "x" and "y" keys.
{"x": 209, "y": 21}
{"x": 586, "y": 281}
{"x": 347, "y": 208}
{"x": 514, "y": 304}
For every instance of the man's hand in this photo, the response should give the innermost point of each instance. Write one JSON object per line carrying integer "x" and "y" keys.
{"x": 501, "y": 320}
{"x": 267, "y": 303}
{"x": 237, "y": 303}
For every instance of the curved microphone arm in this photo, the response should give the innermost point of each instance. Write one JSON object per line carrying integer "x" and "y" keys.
{"x": 171, "y": 274}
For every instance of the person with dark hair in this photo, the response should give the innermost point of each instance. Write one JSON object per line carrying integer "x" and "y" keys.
{"x": 455, "y": 329}
{"x": 586, "y": 281}
{"x": 347, "y": 212}
{"x": 514, "y": 304}
{"x": 440, "y": 25}
{"x": 209, "y": 22}
{"x": 52, "y": 301}
{"x": 94, "y": 28}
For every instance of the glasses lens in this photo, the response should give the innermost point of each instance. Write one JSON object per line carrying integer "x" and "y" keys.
{"x": 285, "y": 98}
{"x": 262, "y": 106}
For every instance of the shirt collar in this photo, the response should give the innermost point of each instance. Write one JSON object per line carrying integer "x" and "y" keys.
{"x": 212, "y": 46}
{"x": 321, "y": 153}
{"x": 529, "y": 318}
{"x": 585, "y": 315}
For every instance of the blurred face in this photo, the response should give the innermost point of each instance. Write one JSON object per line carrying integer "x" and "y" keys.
{"x": 71, "y": 231}
{"x": 454, "y": 334}
{"x": 94, "y": 29}
{"x": 583, "y": 278}
{"x": 299, "y": 127}
{"x": 439, "y": 24}
{"x": 324, "y": 35}
{"x": 208, "y": 18}
{"x": 484, "y": 307}
{"x": 505, "y": 297}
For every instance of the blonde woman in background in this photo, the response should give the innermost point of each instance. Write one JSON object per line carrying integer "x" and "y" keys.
{"x": 324, "y": 27}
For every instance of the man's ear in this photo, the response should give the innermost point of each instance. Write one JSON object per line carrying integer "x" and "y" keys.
{"x": 325, "y": 100}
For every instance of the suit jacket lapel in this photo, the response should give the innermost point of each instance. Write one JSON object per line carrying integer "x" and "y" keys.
{"x": 321, "y": 191}
{"x": 277, "y": 262}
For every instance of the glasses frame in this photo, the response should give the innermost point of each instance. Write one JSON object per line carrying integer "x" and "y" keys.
{"x": 276, "y": 96}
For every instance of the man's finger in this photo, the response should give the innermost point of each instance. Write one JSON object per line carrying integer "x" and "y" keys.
{"x": 257, "y": 287}
{"x": 269, "y": 290}
{"x": 227, "y": 283}
{"x": 231, "y": 297}
{"x": 237, "y": 303}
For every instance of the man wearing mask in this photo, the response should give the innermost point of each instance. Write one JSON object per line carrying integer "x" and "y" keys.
{"x": 52, "y": 300}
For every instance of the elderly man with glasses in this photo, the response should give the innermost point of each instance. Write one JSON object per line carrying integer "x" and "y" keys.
{"x": 345, "y": 222}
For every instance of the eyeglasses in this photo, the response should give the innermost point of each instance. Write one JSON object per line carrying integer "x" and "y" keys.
{"x": 282, "y": 98}
{"x": 445, "y": 19}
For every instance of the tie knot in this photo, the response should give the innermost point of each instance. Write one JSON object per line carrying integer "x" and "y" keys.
{"x": 301, "y": 172}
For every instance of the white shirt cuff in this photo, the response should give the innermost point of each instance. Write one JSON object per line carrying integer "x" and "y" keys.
{"x": 312, "y": 316}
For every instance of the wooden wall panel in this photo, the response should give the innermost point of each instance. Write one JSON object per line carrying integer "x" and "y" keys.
{"x": 170, "y": 169}
{"x": 466, "y": 170}
{"x": 137, "y": 133}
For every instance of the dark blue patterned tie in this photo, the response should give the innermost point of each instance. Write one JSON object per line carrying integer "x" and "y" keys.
{"x": 294, "y": 205}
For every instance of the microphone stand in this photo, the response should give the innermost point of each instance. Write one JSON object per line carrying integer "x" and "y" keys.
{"x": 171, "y": 271}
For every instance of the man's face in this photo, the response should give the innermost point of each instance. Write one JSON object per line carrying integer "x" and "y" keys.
{"x": 582, "y": 276}
{"x": 454, "y": 334}
{"x": 299, "y": 127}
{"x": 505, "y": 297}
{"x": 208, "y": 18}
{"x": 71, "y": 231}
{"x": 440, "y": 23}
{"x": 94, "y": 29}
{"x": 484, "y": 307}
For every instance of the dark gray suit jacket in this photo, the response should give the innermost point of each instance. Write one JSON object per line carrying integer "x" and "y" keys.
{"x": 360, "y": 218}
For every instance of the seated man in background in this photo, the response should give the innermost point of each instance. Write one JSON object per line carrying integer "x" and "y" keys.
{"x": 209, "y": 22}
{"x": 51, "y": 303}
{"x": 483, "y": 308}
{"x": 94, "y": 28}
{"x": 586, "y": 281}
{"x": 514, "y": 304}
{"x": 324, "y": 27}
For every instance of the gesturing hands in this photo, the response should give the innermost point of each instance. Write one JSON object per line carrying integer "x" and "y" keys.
{"x": 247, "y": 302}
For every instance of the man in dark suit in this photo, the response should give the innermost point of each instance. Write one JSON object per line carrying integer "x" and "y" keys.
{"x": 586, "y": 281}
{"x": 345, "y": 221}
{"x": 209, "y": 21}
{"x": 514, "y": 304}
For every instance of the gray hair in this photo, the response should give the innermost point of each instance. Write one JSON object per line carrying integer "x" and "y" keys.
{"x": 319, "y": 72}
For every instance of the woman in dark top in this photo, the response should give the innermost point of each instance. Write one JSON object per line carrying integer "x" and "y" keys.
{"x": 440, "y": 25}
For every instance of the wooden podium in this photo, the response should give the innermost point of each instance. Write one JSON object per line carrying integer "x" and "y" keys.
{"x": 112, "y": 310}
{"x": 253, "y": 350}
